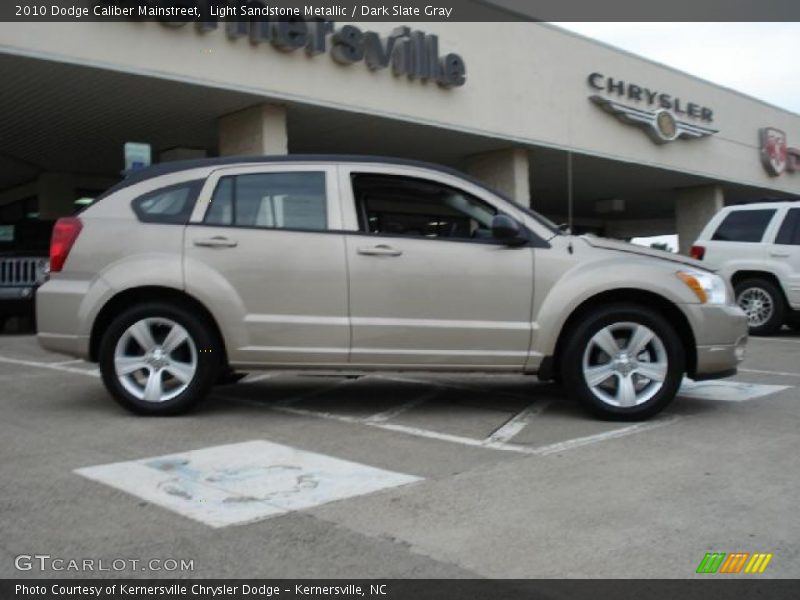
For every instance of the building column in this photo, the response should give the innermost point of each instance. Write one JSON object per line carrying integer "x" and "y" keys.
{"x": 694, "y": 207}
{"x": 254, "y": 131}
{"x": 56, "y": 195}
{"x": 506, "y": 170}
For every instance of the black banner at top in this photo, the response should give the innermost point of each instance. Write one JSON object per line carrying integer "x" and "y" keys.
{"x": 405, "y": 10}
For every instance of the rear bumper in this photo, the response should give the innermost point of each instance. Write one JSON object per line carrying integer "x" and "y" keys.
{"x": 71, "y": 345}
{"x": 64, "y": 314}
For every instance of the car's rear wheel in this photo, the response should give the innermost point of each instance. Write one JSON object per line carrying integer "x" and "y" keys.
{"x": 158, "y": 359}
{"x": 762, "y": 302}
{"x": 623, "y": 362}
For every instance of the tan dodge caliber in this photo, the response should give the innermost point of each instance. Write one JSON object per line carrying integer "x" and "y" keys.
{"x": 185, "y": 272}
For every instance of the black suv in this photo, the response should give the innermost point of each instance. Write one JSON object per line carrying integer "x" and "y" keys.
{"x": 24, "y": 251}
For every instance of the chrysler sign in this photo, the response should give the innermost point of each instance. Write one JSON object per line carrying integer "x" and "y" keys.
{"x": 663, "y": 117}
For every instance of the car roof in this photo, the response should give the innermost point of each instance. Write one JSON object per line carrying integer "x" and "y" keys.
{"x": 765, "y": 204}
{"x": 161, "y": 169}
{"x": 167, "y": 168}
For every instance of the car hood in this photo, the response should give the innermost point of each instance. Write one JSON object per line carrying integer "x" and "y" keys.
{"x": 607, "y": 244}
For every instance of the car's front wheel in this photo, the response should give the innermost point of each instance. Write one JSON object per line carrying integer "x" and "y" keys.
{"x": 762, "y": 302}
{"x": 623, "y": 362}
{"x": 158, "y": 359}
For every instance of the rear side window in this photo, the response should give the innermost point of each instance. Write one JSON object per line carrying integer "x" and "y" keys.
{"x": 744, "y": 226}
{"x": 173, "y": 204}
{"x": 294, "y": 200}
{"x": 789, "y": 233}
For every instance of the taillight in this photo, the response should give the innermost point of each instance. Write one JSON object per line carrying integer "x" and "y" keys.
{"x": 697, "y": 252}
{"x": 65, "y": 232}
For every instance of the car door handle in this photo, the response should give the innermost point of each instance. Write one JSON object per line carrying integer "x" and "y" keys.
{"x": 218, "y": 241}
{"x": 380, "y": 250}
{"x": 779, "y": 255}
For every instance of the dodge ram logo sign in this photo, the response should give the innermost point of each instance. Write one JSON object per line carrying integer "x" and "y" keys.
{"x": 773, "y": 150}
{"x": 776, "y": 154}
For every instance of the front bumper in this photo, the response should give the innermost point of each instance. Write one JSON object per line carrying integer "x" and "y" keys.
{"x": 720, "y": 338}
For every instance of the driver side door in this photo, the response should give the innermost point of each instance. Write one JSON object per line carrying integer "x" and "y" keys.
{"x": 429, "y": 286}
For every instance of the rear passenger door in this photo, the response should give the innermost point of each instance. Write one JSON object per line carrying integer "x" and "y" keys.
{"x": 261, "y": 254}
{"x": 786, "y": 249}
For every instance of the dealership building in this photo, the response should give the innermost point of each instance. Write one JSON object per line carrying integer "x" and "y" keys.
{"x": 540, "y": 113}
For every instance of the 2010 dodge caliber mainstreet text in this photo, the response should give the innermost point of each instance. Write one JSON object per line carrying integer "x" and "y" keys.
{"x": 185, "y": 272}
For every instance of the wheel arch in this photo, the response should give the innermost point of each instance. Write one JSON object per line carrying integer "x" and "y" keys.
{"x": 744, "y": 274}
{"x": 630, "y": 296}
{"x": 138, "y": 295}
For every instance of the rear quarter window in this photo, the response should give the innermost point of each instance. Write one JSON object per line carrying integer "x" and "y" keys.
{"x": 743, "y": 226}
{"x": 172, "y": 205}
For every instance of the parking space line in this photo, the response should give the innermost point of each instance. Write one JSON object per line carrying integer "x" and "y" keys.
{"x": 606, "y": 435}
{"x": 444, "y": 385}
{"x": 467, "y": 441}
{"x": 314, "y": 393}
{"x": 761, "y": 372}
{"x": 517, "y": 423}
{"x": 391, "y": 413}
{"x": 773, "y": 339}
{"x": 255, "y": 378}
{"x": 52, "y": 366}
{"x": 494, "y": 441}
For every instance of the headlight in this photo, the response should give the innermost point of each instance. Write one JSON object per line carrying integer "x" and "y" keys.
{"x": 709, "y": 288}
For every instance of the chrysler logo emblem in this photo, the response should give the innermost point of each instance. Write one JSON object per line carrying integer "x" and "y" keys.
{"x": 661, "y": 125}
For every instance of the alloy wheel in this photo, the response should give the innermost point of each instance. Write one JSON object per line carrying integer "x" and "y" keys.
{"x": 155, "y": 359}
{"x": 625, "y": 364}
{"x": 757, "y": 305}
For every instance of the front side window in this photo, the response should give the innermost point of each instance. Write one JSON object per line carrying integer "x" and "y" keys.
{"x": 744, "y": 226}
{"x": 789, "y": 233}
{"x": 171, "y": 204}
{"x": 396, "y": 205}
{"x": 294, "y": 200}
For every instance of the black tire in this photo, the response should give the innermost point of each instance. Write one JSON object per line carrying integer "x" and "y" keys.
{"x": 579, "y": 339}
{"x": 208, "y": 355}
{"x": 778, "y": 314}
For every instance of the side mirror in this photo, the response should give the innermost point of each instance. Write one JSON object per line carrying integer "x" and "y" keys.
{"x": 506, "y": 229}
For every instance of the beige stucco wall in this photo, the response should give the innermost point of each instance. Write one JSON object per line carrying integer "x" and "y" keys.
{"x": 526, "y": 83}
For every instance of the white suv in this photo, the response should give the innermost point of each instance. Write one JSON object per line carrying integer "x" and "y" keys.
{"x": 757, "y": 248}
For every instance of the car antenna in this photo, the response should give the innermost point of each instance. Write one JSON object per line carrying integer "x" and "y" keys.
{"x": 569, "y": 200}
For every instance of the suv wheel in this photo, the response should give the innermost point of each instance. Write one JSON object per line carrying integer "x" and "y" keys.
{"x": 157, "y": 359}
{"x": 763, "y": 304}
{"x": 623, "y": 362}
